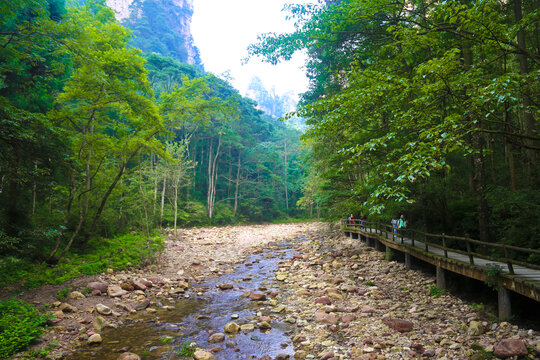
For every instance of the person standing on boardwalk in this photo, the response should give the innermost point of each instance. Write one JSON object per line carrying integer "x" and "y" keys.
{"x": 402, "y": 224}
{"x": 395, "y": 224}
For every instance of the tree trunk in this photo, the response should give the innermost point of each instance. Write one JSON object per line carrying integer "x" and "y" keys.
{"x": 479, "y": 177}
{"x": 175, "y": 202}
{"x": 143, "y": 198}
{"x": 286, "y": 161}
{"x": 212, "y": 177}
{"x": 237, "y": 186}
{"x": 162, "y": 201}
{"x": 528, "y": 117}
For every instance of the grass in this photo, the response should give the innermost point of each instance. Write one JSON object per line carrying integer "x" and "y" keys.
{"x": 435, "y": 291}
{"x": 188, "y": 349}
{"x": 20, "y": 323}
{"x": 99, "y": 255}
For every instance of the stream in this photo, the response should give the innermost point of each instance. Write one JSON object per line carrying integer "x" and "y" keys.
{"x": 161, "y": 335}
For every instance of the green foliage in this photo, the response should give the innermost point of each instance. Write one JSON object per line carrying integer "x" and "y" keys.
{"x": 370, "y": 283}
{"x": 416, "y": 111}
{"x": 187, "y": 349}
{"x": 62, "y": 294}
{"x": 100, "y": 255}
{"x": 492, "y": 275}
{"x": 435, "y": 291}
{"x": 166, "y": 339}
{"x": 20, "y": 323}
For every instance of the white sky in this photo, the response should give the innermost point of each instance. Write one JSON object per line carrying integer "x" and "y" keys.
{"x": 222, "y": 30}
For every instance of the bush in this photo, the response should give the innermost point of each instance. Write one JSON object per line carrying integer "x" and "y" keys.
{"x": 99, "y": 254}
{"x": 20, "y": 323}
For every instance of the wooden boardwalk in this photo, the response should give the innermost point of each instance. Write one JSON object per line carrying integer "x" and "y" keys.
{"x": 506, "y": 275}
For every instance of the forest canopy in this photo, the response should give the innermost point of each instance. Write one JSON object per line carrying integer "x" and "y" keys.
{"x": 427, "y": 108}
{"x": 98, "y": 139}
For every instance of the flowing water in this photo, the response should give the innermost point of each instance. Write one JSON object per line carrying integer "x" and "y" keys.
{"x": 194, "y": 319}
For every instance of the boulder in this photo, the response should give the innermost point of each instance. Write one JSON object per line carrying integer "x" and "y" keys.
{"x": 257, "y": 296}
{"x": 509, "y": 348}
{"x": 129, "y": 356}
{"x": 216, "y": 338}
{"x": 475, "y": 328}
{"x": 322, "y": 317}
{"x": 225, "y": 286}
{"x": 65, "y": 307}
{"x": 138, "y": 285}
{"x": 203, "y": 355}
{"x": 232, "y": 328}
{"x": 398, "y": 324}
{"x": 264, "y": 325}
{"x": 76, "y": 295}
{"x": 98, "y": 324}
{"x": 323, "y": 300}
{"x": 94, "y": 339}
{"x": 103, "y": 309}
{"x": 115, "y": 290}
{"x": 96, "y": 285}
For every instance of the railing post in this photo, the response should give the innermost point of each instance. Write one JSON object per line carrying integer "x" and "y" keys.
{"x": 508, "y": 261}
{"x": 444, "y": 245}
{"x": 469, "y": 251}
{"x": 426, "y": 244}
{"x": 412, "y": 238}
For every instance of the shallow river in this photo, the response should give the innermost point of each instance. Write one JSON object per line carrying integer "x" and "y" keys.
{"x": 195, "y": 318}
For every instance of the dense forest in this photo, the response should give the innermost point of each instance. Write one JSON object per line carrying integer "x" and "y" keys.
{"x": 98, "y": 139}
{"x": 426, "y": 108}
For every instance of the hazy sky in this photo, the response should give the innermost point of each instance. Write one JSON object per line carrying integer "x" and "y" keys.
{"x": 222, "y": 30}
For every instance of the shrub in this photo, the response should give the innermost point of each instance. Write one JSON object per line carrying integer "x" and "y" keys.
{"x": 20, "y": 323}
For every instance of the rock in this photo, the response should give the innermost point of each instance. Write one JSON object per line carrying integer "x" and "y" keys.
{"x": 264, "y": 325}
{"x": 203, "y": 355}
{"x": 283, "y": 357}
{"x": 247, "y": 327}
{"x": 129, "y": 356}
{"x": 327, "y": 355}
{"x": 257, "y": 296}
{"x": 216, "y": 338}
{"x": 96, "y": 285}
{"x": 98, "y": 324}
{"x": 127, "y": 287}
{"x": 398, "y": 324}
{"x": 367, "y": 309}
{"x": 94, "y": 339}
{"x": 76, "y": 295}
{"x": 278, "y": 309}
{"x": 347, "y": 318}
{"x": 510, "y": 347}
{"x": 322, "y": 317}
{"x": 475, "y": 328}
{"x": 138, "y": 285}
{"x": 147, "y": 283}
{"x": 142, "y": 305}
{"x": 65, "y": 307}
{"x": 115, "y": 290}
{"x": 323, "y": 300}
{"x": 232, "y": 328}
{"x": 225, "y": 286}
{"x": 103, "y": 309}
{"x": 281, "y": 277}
{"x": 429, "y": 353}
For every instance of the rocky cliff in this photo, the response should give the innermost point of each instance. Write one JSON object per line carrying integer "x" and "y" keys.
{"x": 160, "y": 26}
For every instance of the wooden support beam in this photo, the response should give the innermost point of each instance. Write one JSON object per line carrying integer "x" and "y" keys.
{"x": 441, "y": 278}
{"x": 408, "y": 261}
{"x": 505, "y": 308}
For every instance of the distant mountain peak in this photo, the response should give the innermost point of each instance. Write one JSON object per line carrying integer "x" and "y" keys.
{"x": 160, "y": 26}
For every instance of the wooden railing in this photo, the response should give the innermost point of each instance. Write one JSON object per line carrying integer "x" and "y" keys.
{"x": 462, "y": 245}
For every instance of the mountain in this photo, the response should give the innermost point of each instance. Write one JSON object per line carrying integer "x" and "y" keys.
{"x": 160, "y": 26}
